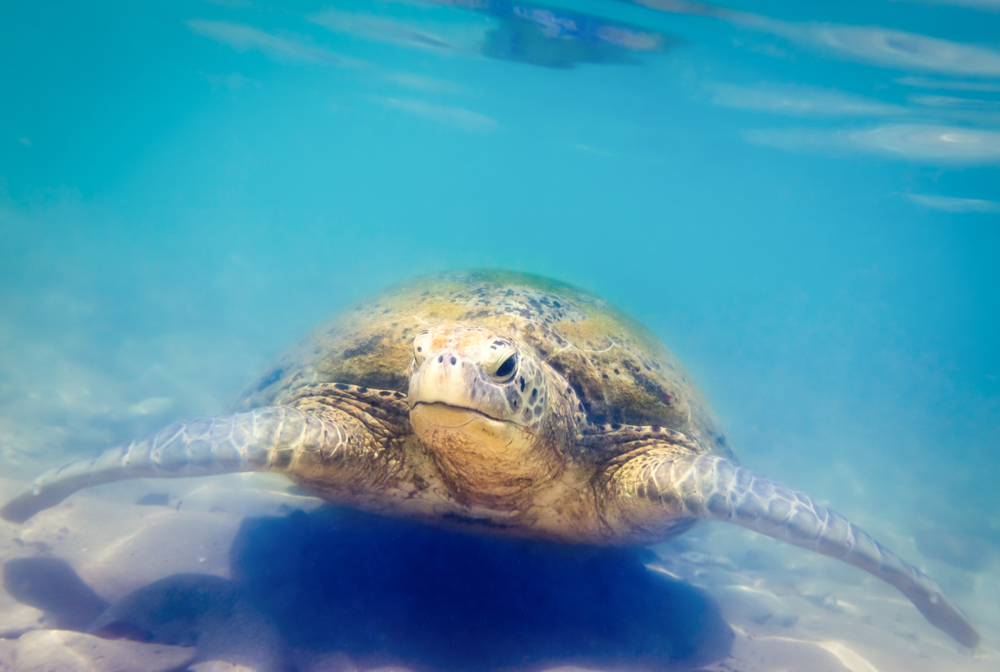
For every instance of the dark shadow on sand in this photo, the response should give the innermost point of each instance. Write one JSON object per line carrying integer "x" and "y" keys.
{"x": 388, "y": 591}
{"x": 342, "y": 580}
{"x": 50, "y": 584}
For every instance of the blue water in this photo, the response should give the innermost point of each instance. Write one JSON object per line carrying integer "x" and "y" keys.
{"x": 802, "y": 200}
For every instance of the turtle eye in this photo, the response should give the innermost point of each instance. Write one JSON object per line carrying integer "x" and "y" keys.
{"x": 506, "y": 368}
{"x": 501, "y": 361}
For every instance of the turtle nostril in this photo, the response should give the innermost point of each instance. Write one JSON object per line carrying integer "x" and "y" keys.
{"x": 440, "y": 359}
{"x": 453, "y": 361}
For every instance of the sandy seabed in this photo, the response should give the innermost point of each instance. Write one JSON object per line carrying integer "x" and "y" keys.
{"x": 183, "y": 545}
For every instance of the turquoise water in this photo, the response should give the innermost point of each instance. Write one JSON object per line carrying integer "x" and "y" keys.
{"x": 802, "y": 200}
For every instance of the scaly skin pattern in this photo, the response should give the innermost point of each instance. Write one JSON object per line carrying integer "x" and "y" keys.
{"x": 510, "y": 405}
{"x": 667, "y": 486}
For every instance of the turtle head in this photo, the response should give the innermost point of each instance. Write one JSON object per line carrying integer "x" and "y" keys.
{"x": 479, "y": 402}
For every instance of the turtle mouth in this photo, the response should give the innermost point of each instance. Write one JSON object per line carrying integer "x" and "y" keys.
{"x": 451, "y": 416}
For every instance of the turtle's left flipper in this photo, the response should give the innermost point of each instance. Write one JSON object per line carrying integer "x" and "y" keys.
{"x": 266, "y": 439}
{"x": 707, "y": 487}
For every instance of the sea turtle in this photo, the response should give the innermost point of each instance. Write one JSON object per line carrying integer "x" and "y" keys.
{"x": 499, "y": 402}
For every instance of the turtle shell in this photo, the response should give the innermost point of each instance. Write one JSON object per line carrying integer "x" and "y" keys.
{"x": 621, "y": 371}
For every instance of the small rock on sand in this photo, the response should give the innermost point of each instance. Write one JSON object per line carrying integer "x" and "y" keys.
{"x": 7, "y": 654}
{"x": 17, "y": 619}
{"x": 220, "y": 666}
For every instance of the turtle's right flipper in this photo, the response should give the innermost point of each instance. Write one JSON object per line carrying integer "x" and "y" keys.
{"x": 265, "y": 439}
{"x": 709, "y": 487}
